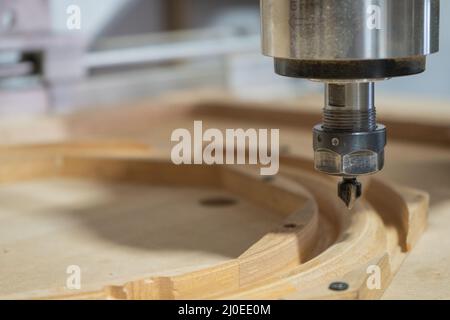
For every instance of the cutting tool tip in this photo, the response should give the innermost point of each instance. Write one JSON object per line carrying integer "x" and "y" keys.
{"x": 349, "y": 190}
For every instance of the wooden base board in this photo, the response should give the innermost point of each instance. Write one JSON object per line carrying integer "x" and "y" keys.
{"x": 417, "y": 155}
{"x": 313, "y": 240}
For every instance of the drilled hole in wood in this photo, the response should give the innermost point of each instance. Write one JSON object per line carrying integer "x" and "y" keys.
{"x": 268, "y": 178}
{"x": 338, "y": 286}
{"x": 218, "y": 202}
{"x": 285, "y": 149}
{"x": 290, "y": 226}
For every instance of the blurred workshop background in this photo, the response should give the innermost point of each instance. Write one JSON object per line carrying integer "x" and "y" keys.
{"x": 132, "y": 49}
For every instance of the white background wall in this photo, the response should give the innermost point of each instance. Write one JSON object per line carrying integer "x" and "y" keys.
{"x": 115, "y": 16}
{"x": 103, "y": 17}
{"x": 436, "y": 80}
{"x": 95, "y": 14}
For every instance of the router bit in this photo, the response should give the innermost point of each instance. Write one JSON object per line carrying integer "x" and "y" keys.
{"x": 349, "y": 45}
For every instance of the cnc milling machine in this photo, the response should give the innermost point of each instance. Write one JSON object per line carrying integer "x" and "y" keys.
{"x": 349, "y": 45}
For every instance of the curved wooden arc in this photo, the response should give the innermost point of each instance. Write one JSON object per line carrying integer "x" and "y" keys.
{"x": 318, "y": 243}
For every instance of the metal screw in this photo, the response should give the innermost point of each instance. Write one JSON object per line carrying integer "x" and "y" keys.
{"x": 268, "y": 178}
{"x": 335, "y": 142}
{"x": 338, "y": 286}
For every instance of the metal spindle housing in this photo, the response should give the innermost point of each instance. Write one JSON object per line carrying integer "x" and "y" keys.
{"x": 350, "y": 107}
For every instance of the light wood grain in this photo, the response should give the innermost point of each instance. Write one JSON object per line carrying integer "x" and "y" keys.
{"x": 128, "y": 230}
{"x": 416, "y": 158}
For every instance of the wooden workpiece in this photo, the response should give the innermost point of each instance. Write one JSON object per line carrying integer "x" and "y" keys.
{"x": 138, "y": 234}
{"x": 316, "y": 241}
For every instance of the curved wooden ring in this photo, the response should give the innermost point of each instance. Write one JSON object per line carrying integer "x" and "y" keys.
{"x": 320, "y": 241}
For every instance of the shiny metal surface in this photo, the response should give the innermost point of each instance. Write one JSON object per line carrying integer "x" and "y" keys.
{"x": 349, "y": 154}
{"x": 349, "y": 143}
{"x": 349, "y": 29}
{"x": 349, "y": 190}
{"x": 351, "y": 95}
{"x": 349, "y": 107}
